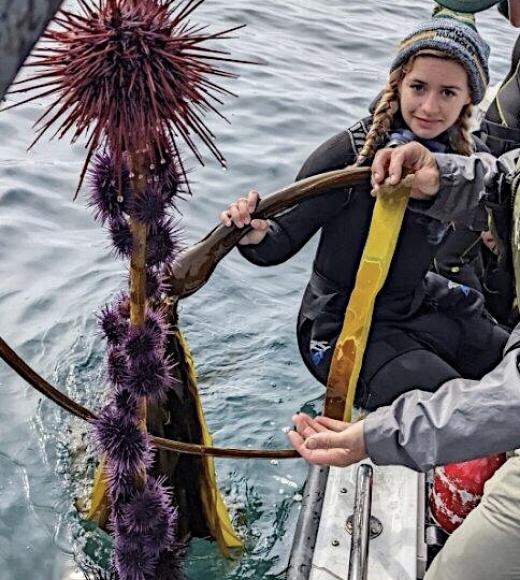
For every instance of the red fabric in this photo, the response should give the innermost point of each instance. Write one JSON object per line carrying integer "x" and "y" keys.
{"x": 458, "y": 488}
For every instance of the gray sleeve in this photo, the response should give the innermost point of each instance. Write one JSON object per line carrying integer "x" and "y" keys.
{"x": 463, "y": 420}
{"x": 465, "y": 184}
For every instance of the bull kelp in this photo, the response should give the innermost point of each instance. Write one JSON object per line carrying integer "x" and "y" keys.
{"x": 136, "y": 78}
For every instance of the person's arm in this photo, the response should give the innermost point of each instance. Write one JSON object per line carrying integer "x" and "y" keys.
{"x": 289, "y": 231}
{"x": 464, "y": 185}
{"x": 447, "y": 187}
{"x": 462, "y": 420}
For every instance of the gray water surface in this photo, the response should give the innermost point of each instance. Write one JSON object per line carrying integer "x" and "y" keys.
{"x": 321, "y": 63}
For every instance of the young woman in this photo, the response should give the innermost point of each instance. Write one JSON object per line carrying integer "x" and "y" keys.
{"x": 425, "y": 330}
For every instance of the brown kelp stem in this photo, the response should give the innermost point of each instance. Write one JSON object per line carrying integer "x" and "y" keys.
{"x": 37, "y": 382}
{"x": 138, "y": 173}
{"x": 192, "y": 269}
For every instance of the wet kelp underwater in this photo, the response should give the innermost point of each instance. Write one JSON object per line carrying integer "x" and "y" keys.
{"x": 240, "y": 326}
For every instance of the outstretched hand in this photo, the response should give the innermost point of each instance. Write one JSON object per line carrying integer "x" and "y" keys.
{"x": 324, "y": 441}
{"x": 390, "y": 163}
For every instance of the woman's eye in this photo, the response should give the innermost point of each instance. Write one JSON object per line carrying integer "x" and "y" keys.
{"x": 448, "y": 93}
{"x": 417, "y": 87}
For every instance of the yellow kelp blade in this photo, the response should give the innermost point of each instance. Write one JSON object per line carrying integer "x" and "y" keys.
{"x": 98, "y": 510}
{"x": 215, "y": 511}
{"x": 373, "y": 269}
{"x": 216, "y": 514}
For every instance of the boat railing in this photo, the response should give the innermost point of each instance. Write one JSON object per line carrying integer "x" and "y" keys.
{"x": 361, "y": 522}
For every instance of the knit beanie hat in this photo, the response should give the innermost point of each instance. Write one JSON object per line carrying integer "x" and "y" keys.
{"x": 467, "y": 5}
{"x": 458, "y": 40}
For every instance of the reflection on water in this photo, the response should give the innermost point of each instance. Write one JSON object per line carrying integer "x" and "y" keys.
{"x": 320, "y": 64}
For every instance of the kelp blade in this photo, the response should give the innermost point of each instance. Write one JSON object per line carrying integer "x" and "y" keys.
{"x": 373, "y": 269}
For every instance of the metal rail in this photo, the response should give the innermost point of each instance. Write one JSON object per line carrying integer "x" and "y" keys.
{"x": 358, "y": 561}
{"x": 304, "y": 541}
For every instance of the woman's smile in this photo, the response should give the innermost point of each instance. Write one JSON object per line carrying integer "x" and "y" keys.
{"x": 427, "y": 123}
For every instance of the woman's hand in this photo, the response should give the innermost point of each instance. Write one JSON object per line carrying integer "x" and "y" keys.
{"x": 239, "y": 213}
{"x": 324, "y": 441}
{"x": 389, "y": 164}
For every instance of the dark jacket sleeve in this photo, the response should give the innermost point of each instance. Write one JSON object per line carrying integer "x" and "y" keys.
{"x": 462, "y": 420}
{"x": 290, "y": 230}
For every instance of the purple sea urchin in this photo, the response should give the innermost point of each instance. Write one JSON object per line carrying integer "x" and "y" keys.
{"x": 117, "y": 366}
{"x": 126, "y": 402}
{"x": 121, "y": 486}
{"x": 150, "y": 512}
{"x": 144, "y": 342}
{"x": 154, "y": 284}
{"x": 163, "y": 244}
{"x": 121, "y": 235}
{"x": 113, "y": 326}
{"x": 150, "y": 378}
{"x": 170, "y": 564}
{"x": 122, "y": 441}
{"x": 149, "y": 207}
{"x": 174, "y": 184}
{"x": 154, "y": 321}
{"x": 132, "y": 562}
{"x": 123, "y": 305}
{"x": 109, "y": 192}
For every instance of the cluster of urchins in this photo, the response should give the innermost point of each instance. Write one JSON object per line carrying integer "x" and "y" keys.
{"x": 142, "y": 518}
{"x": 133, "y": 74}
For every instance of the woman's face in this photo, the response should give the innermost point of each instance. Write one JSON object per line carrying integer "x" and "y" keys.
{"x": 432, "y": 94}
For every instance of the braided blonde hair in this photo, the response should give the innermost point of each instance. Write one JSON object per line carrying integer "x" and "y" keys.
{"x": 386, "y": 108}
{"x": 461, "y": 140}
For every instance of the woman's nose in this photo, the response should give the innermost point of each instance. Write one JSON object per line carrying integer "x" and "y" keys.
{"x": 430, "y": 103}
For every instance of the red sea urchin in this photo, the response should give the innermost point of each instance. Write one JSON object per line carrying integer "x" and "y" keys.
{"x": 134, "y": 74}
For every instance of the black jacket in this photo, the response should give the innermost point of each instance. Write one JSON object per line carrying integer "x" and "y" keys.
{"x": 343, "y": 215}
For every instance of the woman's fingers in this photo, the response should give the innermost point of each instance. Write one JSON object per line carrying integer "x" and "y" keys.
{"x": 252, "y": 200}
{"x": 307, "y": 426}
{"x": 327, "y": 441}
{"x": 303, "y": 425}
{"x": 338, "y": 457}
{"x": 225, "y": 218}
{"x": 239, "y": 211}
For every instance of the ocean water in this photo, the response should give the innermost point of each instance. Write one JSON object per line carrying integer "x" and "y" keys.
{"x": 319, "y": 66}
